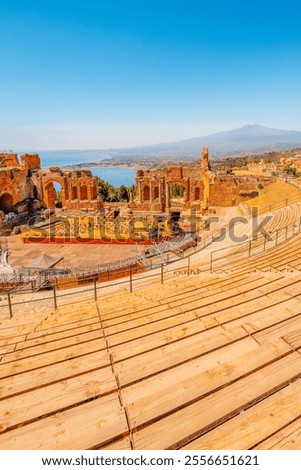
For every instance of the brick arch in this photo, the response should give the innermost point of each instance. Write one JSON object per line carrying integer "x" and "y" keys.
{"x": 179, "y": 183}
{"x": 74, "y": 193}
{"x": 146, "y": 193}
{"x": 156, "y": 192}
{"x": 6, "y": 202}
{"x": 79, "y": 188}
{"x": 153, "y": 186}
{"x": 83, "y": 192}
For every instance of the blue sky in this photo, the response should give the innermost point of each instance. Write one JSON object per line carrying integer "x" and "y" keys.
{"x": 100, "y": 74}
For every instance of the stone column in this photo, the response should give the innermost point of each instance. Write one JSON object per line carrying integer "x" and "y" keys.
{"x": 63, "y": 197}
{"x": 90, "y": 192}
{"x": 206, "y": 177}
{"x": 150, "y": 191}
{"x": 167, "y": 196}
{"x": 69, "y": 190}
{"x": 186, "y": 192}
{"x": 160, "y": 191}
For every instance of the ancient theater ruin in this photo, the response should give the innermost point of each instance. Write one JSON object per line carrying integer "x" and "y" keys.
{"x": 201, "y": 187}
{"x": 26, "y": 187}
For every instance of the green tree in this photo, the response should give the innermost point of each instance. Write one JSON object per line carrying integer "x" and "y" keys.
{"x": 177, "y": 190}
{"x": 110, "y": 194}
{"x": 124, "y": 193}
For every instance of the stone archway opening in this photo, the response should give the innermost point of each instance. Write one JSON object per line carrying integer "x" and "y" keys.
{"x": 74, "y": 194}
{"x": 58, "y": 195}
{"x": 53, "y": 195}
{"x": 6, "y": 203}
{"x": 177, "y": 195}
{"x": 35, "y": 192}
{"x": 83, "y": 193}
{"x": 146, "y": 193}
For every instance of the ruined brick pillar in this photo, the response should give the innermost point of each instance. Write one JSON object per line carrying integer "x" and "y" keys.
{"x": 63, "y": 197}
{"x": 167, "y": 200}
{"x": 206, "y": 176}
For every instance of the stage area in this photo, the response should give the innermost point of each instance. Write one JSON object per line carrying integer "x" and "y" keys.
{"x": 73, "y": 255}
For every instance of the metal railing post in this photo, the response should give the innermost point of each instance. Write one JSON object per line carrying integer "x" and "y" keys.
{"x": 95, "y": 289}
{"x": 162, "y": 280}
{"x": 250, "y": 248}
{"x": 54, "y": 296}
{"x": 188, "y": 265}
{"x": 9, "y": 305}
{"x": 276, "y": 241}
{"x": 131, "y": 279}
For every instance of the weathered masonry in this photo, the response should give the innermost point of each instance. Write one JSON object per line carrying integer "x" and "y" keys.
{"x": 27, "y": 181}
{"x": 201, "y": 187}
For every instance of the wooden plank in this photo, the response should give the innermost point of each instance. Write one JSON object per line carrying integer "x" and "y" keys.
{"x": 165, "y": 392}
{"x": 214, "y": 295}
{"x": 51, "y": 398}
{"x": 124, "y": 444}
{"x": 158, "y": 339}
{"x": 52, "y": 357}
{"x": 181, "y": 321}
{"x": 193, "y": 420}
{"x": 68, "y": 318}
{"x": 288, "y": 438}
{"x": 7, "y": 349}
{"x": 109, "y": 312}
{"x": 36, "y": 338}
{"x": 49, "y": 342}
{"x": 276, "y": 331}
{"x": 255, "y": 424}
{"x": 240, "y": 284}
{"x": 82, "y": 427}
{"x": 72, "y": 313}
{"x": 55, "y": 345}
{"x": 272, "y": 317}
{"x": 131, "y": 323}
{"x": 294, "y": 339}
{"x": 33, "y": 379}
{"x": 206, "y": 306}
{"x": 283, "y": 285}
{"x": 266, "y": 306}
{"x": 169, "y": 355}
{"x": 113, "y": 319}
{"x": 258, "y": 283}
{"x": 63, "y": 326}
{"x": 11, "y": 340}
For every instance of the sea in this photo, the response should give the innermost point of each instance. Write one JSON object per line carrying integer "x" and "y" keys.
{"x": 112, "y": 175}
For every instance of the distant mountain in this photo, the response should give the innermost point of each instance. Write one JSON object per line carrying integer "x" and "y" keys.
{"x": 244, "y": 140}
{"x": 247, "y": 139}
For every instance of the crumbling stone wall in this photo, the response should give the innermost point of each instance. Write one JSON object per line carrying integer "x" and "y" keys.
{"x": 15, "y": 186}
{"x": 202, "y": 187}
{"x": 79, "y": 188}
{"x": 232, "y": 190}
{"x": 26, "y": 180}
